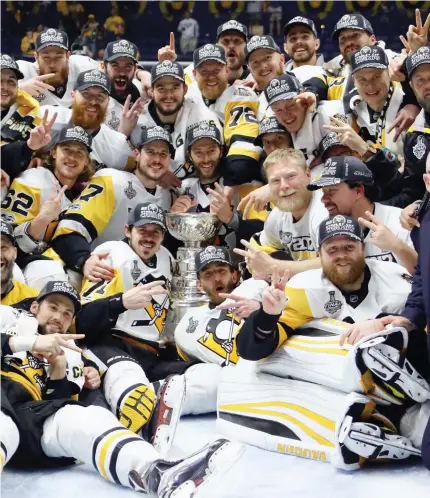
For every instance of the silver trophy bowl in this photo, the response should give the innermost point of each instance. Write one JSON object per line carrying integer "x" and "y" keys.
{"x": 192, "y": 228}
{"x": 195, "y": 230}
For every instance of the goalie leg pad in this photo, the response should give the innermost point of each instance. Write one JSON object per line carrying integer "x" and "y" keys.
{"x": 414, "y": 422}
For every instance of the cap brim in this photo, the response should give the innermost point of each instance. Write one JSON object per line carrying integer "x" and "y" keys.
{"x": 347, "y": 234}
{"x": 76, "y": 303}
{"x": 18, "y": 73}
{"x": 153, "y": 80}
{"x": 324, "y": 182}
{"x": 210, "y": 59}
{"x": 231, "y": 29}
{"x": 74, "y": 140}
{"x": 287, "y": 27}
{"x": 258, "y": 48}
{"x": 147, "y": 221}
{"x": 335, "y": 34}
{"x": 117, "y": 56}
{"x": 84, "y": 86}
{"x": 53, "y": 44}
{"x": 149, "y": 140}
{"x": 259, "y": 141}
{"x": 215, "y": 260}
{"x": 203, "y": 136}
{"x": 374, "y": 65}
{"x": 11, "y": 237}
{"x": 283, "y": 96}
{"x": 425, "y": 61}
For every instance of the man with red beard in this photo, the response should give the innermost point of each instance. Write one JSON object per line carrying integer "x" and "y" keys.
{"x": 89, "y": 107}
{"x": 52, "y": 78}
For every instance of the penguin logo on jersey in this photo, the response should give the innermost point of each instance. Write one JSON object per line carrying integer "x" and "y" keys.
{"x": 217, "y": 337}
{"x": 419, "y": 149}
{"x": 114, "y": 121}
{"x": 333, "y": 305}
{"x": 286, "y": 238}
{"x": 135, "y": 271}
{"x": 192, "y": 325}
{"x": 129, "y": 191}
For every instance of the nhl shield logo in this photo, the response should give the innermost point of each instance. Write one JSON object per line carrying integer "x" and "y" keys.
{"x": 129, "y": 191}
{"x": 333, "y": 305}
{"x": 192, "y": 325}
{"x": 135, "y": 272}
{"x": 114, "y": 121}
{"x": 286, "y": 238}
{"x": 419, "y": 149}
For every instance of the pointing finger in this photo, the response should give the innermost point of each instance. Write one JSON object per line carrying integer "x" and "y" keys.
{"x": 172, "y": 41}
{"x": 374, "y": 218}
{"x": 367, "y": 224}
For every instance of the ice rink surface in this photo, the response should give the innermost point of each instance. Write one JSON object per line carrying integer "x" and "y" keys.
{"x": 257, "y": 474}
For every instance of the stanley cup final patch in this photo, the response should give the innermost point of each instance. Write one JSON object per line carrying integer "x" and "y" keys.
{"x": 333, "y": 305}
{"x": 419, "y": 149}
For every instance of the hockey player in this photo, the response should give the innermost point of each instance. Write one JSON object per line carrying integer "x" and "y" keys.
{"x": 124, "y": 322}
{"x": 417, "y": 141}
{"x": 272, "y": 135}
{"x": 173, "y": 109}
{"x": 207, "y": 333}
{"x": 13, "y": 292}
{"x": 38, "y": 197}
{"x": 292, "y": 225}
{"x": 100, "y": 212}
{"x": 89, "y": 107}
{"x": 336, "y": 420}
{"x": 52, "y": 426}
{"x": 52, "y": 77}
{"x": 236, "y": 107}
{"x": 306, "y": 128}
{"x": 301, "y": 43}
{"x": 347, "y": 189}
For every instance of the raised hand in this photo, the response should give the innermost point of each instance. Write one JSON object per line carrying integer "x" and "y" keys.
{"x": 306, "y": 99}
{"x": 220, "y": 204}
{"x": 40, "y": 136}
{"x": 51, "y": 208}
{"x": 36, "y": 86}
{"x": 241, "y": 306}
{"x": 168, "y": 52}
{"x": 347, "y": 136}
{"x": 182, "y": 204}
{"x": 96, "y": 270}
{"x": 259, "y": 198}
{"x": 259, "y": 262}
{"x": 140, "y": 296}
{"x": 407, "y": 219}
{"x": 404, "y": 119}
{"x": 274, "y": 298}
{"x": 130, "y": 115}
{"x": 169, "y": 179}
{"x": 418, "y": 35}
{"x": 50, "y": 345}
{"x": 380, "y": 234}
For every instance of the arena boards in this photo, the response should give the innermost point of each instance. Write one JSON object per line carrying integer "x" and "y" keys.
{"x": 258, "y": 474}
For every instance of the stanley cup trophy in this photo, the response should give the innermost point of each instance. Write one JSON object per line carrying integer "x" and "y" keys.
{"x": 193, "y": 229}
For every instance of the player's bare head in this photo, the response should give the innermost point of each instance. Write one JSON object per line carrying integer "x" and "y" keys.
{"x": 342, "y": 250}
{"x": 300, "y": 42}
{"x": 145, "y": 229}
{"x": 204, "y": 149}
{"x": 288, "y": 178}
{"x": 8, "y": 255}
{"x": 216, "y": 272}
{"x": 9, "y": 88}
{"x": 419, "y": 75}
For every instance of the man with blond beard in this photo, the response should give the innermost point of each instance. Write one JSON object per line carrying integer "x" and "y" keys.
{"x": 52, "y": 77}
{"x": 89, "y": 108}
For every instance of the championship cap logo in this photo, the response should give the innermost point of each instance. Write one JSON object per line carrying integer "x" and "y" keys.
{"x": 339, "y": 219}
{"x": 78, "y": 130}
{"x": 210, "y": 250}
{"x": 365, "y": 50}
{"x": 274, "y": 83}
{"x": 167, "y": 64}
{"x": 51, "y": 32}
{"x": 123, "y": 44}
{"x": 153, "y": 207}
{"x": 6, "y": 58}
{"x": 209, "y": 48}
{"x": 96, "y": 73}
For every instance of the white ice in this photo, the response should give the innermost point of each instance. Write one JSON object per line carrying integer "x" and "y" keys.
{"x": 258, "y": 474}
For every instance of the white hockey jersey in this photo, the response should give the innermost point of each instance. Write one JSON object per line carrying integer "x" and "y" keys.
{"x": 77, "y": 64}
{"x": 299, "y": 239}
{"x": 28, "y": 192}
{"x": 311, "y": 295}
{"x": 390, "y": 216}
{"x": 21, "y": 323}
{"x": 192, "y": 112}
{"x": 145, "y": 324}
{"x": 100, "y": 212}
{"x": 114, "y": 111}
{"x": 109, "y": 147}
{"x": 206, "y": 334}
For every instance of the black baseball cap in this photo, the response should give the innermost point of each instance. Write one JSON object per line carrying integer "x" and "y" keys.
{"x": 120, "y": 48}
{"x": 167, "y": 68}
{"x": 153, "y": 133}
{"x": 6, "y": 62}
{"x": 60, "y": 287}
{"x": 147, "y": 213}
{"x": 300, "y": 21}
{"x": 93, "y": 77}
{"x": 257, "y": 42}
{"x": 232, "y": 25}
{"x": 339, "y": 225}
{"x": 206, "y": 129}
{"x": 7, "y": 229}
{"x": 209, "y": 52}
{"x": 268, "y": 125}
{"x": 371, "y": 56}
{"x": 330, "y": 140}
{"x": 341, "y": 169}
{"x": 75, "y": 134}
{"x": 421, "y": 56}
{"x": 282, "y": 87}
{"x": 212, "y": 254}
{"x": 51, "y": 37}
{"x": 352, "y": 21}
